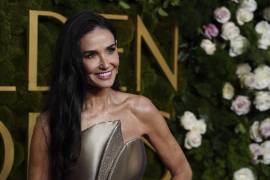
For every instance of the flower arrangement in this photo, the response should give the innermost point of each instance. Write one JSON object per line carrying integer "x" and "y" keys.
{"x": 260, "y": 131}
{"x": 229, "y": 30}
{"x": 257, "y": 83}
{"x": 253, "y": 85}
{"x": 244, "y": 38}
{"x": 196, "y": 128}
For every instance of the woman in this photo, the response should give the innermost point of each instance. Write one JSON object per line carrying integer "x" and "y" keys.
{"x": 89, "y": 129}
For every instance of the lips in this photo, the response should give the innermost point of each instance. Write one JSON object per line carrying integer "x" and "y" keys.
{"x": 104, "y": 75}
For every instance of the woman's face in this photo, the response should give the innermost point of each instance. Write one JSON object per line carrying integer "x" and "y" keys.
{"x": 100, "y": 57}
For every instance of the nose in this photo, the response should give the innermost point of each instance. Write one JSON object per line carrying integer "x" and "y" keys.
{"x": 104, "y": 63}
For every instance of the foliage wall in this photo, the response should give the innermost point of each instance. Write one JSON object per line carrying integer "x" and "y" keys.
{"x": 225, "y": 146}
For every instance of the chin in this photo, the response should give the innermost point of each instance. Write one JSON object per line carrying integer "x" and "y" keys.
{"x": 105, "y": 86}
{"x": 102, "y": 85}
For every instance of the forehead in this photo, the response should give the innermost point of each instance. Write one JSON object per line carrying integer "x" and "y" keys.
{"x": 96, "y": 39}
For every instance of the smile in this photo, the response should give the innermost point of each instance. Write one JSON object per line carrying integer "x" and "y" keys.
{"x": 104, "y": 75}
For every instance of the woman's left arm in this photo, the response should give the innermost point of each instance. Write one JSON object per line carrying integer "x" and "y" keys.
{"x": 160, "y": 137}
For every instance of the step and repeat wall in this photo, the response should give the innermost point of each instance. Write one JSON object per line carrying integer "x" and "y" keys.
{"x": 204, "y": 64}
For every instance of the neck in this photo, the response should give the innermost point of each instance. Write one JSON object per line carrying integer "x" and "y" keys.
{"x": 99, "y": 99}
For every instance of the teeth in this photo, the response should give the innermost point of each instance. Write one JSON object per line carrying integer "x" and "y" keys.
{"x": 104, "y": 75}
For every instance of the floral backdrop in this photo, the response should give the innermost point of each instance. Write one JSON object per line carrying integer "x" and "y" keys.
{"x": 221, "y": 113}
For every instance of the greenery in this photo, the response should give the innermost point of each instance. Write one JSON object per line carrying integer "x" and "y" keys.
{"x": 201, "y": 77}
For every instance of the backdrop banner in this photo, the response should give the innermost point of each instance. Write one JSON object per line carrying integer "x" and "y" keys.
{"x": 205, "y": 65}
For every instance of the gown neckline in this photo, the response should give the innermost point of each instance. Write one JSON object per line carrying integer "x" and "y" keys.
{"x": 118, "y": 124}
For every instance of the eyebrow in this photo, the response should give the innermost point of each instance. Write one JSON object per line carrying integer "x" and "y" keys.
{"x": 93, "y": 51}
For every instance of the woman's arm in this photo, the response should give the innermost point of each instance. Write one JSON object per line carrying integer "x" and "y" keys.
{"x": 161, "y": 138}
{"x": 38, "y": 160}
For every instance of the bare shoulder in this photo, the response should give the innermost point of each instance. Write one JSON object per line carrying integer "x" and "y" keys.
{"x": 142, "y": 105}
{"x": 143, "y": 108}
{"x": 148, "y": 115}
{"x": 138, "y": 104}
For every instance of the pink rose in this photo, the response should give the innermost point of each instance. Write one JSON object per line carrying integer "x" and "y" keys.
{"x": 241, "y": 105}
{"x": 256, "y": 151}
{"x": 210, "y": 30}
{"x": 265, "y": 128}
{"x": 222, "y": 15}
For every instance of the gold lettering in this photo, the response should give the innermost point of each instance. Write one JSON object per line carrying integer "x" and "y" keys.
{"x": 7, "y": 88}
{"x": 143, "y": 33}
{"x": 33, "y": 47}
{"x": 116, "y": 17}
{"x": 166, "y": 176}
{"x": 8, "y": 151}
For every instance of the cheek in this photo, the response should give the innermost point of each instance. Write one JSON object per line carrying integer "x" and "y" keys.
{"x": 116, "y": 60}
{"x": 89, "y": 66}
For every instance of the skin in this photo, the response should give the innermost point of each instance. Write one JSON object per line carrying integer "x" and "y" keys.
{"x": 103, "y": 103}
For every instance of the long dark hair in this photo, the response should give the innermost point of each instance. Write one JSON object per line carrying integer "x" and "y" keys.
{"x": 67, "y": 93}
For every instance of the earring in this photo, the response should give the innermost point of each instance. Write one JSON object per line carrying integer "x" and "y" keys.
{"x": 116, "y": 71}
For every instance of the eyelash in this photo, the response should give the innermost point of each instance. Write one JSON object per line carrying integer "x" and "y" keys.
{"x": 89, "y": 56}
{"x": 111, "y": 50}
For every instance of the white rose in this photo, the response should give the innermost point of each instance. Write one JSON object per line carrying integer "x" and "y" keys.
{"x": 266, "y": 152}
{"x": 266, "y": 14}
{"x": 254, "y": 132}
{"x": 229, "y": 31}
{"x": 228, "y": 91}
{"x": 256, "y": 151}
{"x": 243, "y": 69}
{"x": 262, "y": 76}
{"x": 264, "y": 41}
{"x": 265, "y": 128}
{"x": 243, "y": 174}
{"x": 262, "y": 100}
{"x": 250, "y": 5}
{"x": 200, "y": 126}
{"x": 236, "y": 1}
{"x": 249, "y": 80}
{"x": 188, "y": 120}
{"x": 241, "y": 105}
{"x": 238, "y": 45}
{"x": 243, "y": 16}
{"x": 193, "y": 139}
{"x": 262, "y": 27}
{"x": 208, "y": 46}
{"x": 222, "y": 14}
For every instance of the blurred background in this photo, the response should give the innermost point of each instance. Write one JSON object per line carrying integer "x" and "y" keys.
{"x": 211, "y": 82}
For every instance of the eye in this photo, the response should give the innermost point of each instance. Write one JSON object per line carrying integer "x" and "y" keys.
{"x": 89, "y": 55}
{"x": 111, "y": 50}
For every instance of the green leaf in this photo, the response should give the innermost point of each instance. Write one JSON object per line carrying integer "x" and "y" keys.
{"x": 175, "y": 2}
{"x": 161, "y": 12}
{"x": 124, "y": 5}
{"x": 240, "y": 128}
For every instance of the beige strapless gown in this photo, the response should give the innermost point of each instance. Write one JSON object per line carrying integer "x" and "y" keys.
{"x": 104, "y": 156}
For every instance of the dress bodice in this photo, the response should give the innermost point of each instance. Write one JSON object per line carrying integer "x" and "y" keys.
{"x": 105, "y": 156}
